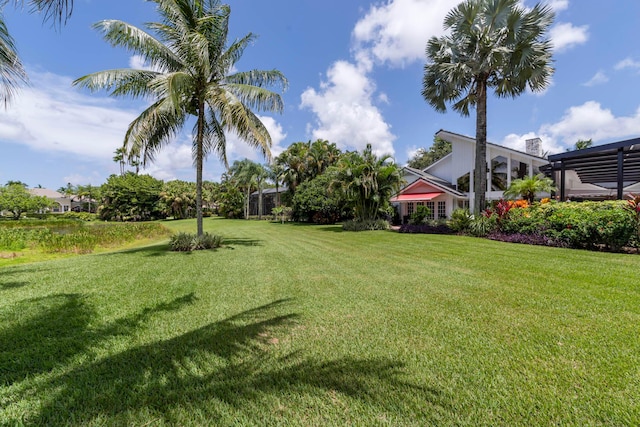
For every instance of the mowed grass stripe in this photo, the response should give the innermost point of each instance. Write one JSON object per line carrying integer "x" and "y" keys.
{"x": 307, "y": 325}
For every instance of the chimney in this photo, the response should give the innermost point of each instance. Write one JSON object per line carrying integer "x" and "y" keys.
{"x": 534, "y": 147}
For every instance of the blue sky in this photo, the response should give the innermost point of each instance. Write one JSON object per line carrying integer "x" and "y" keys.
{"x": 355, "y": 72}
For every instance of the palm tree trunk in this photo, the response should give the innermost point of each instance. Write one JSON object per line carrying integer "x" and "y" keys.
{"x": 199, "y": 161}
{"x": 480, "y": 173}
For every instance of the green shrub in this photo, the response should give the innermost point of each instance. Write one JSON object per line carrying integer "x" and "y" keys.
{"x": 187, "y": 242}
{"x": 460, "y": 220}
{"x": 378, "y": 224}
{"x": 420, "y": 216}
{"x": 481, "y": 225}
{"x": 207, "y": 241}
{"x": 181, "y": 242}
{"x": 82, "y": 216}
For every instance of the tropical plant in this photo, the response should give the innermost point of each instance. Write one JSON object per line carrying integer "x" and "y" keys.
{"x": 311, "y": 202}
{"x": 367, "y": 182}
{"x": 583, "y": 144}
{"x": 420, "y": 216}
{"x": 248, "y": 175}
{"x": 528, "y": 187}
{"x": 495, "y": 44}
{"x": 189, "y": 74}
{"x": 119, "y": 158}
{"x": 179, "y": 199}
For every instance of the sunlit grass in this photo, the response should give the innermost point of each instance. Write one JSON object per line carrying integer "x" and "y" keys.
{"x": 308, "y": 325}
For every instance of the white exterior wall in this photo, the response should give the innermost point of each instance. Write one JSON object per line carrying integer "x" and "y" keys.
{"x": 462, "y": 161}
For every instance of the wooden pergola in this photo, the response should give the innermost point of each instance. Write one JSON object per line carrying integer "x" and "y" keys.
{"x": 615, "y": 165}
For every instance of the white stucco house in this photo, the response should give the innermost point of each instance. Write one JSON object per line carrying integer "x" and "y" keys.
{"x": 61, "y": 203}
{"x": 447, "y": 184}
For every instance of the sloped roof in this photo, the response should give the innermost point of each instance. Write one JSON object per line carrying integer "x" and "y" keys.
{"x": 435, "y": 181}
{"x": 50, "y": 194}
{"x": 491, "y": 144}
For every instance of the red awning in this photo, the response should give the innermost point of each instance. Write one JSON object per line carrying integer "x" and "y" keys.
{"x": 418, "y": 197}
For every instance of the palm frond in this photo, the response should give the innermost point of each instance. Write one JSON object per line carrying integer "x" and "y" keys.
{"x": 121, "y": 82}
{"x": 153, "y": 129}
{"x": 132, "y": 38}
{"x": 12, "y": 73}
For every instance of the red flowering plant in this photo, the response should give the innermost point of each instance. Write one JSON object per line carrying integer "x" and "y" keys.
{"x": 633, "y": 205}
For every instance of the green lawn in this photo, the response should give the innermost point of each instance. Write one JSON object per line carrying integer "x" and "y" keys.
{"x": 311, "y": 326}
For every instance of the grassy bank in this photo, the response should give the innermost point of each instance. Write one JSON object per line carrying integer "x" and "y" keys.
{"x": 308, "y": 325}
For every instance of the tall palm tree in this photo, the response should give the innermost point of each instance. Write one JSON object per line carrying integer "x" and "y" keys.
{"x": 119, "y": 158}
{"x": 492, "y": 44}
{"x": 190, "y": 75}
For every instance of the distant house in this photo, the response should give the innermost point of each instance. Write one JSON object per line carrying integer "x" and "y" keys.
{"x": 448, "y": 183}
{"x": 269, "y": 200}
{"x": 61, "y": 203}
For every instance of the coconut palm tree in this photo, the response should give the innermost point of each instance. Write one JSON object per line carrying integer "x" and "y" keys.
{"x": 528, "y": 187}
{"x": 491, "y": 44}
{"x": 189, "y": 75}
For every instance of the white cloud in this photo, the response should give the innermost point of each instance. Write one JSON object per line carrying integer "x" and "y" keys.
{"x": 51, "y": 116}
{"x": 627, "y": 63}
{"x": 397, "y": 32}
{"x": 237, "y": 149}
{"x": 344, "y": 110}
{"x": 587, "y": 121}
{"x": 565, "y": 36}
{"x": 599, "y": 78}
{"x": 173, "y": 162}
{"x": 558, "y": 5}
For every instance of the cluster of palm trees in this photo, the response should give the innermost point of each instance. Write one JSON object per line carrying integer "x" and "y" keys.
{"x": 190, "y": 73}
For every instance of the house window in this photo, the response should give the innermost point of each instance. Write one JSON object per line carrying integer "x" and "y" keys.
{"x": 499, "y": 173}
{"x": 463, "y": 183}
{"x": 431, "y": 206}
{"x": 519, "y": 170}
{"x": 442, "y": 209}
{"x": 409, "y": 208}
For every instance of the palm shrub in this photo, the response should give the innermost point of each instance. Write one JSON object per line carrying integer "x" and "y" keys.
{"x": 187, "y": 242}
{"x": 528, "y": 187}
{"x": 460, "y": 220}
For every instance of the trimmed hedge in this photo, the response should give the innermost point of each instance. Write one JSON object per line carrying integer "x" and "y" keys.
{"x": 607, "y": 225}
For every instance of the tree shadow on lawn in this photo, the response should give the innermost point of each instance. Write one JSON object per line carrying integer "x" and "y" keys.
{"x": 229, "y": 242}
{"x": 156, "y": 250}
{"x": 227, "y": 369}
{"x": 44, "y": 333}
{"x": 12, "y": 285}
